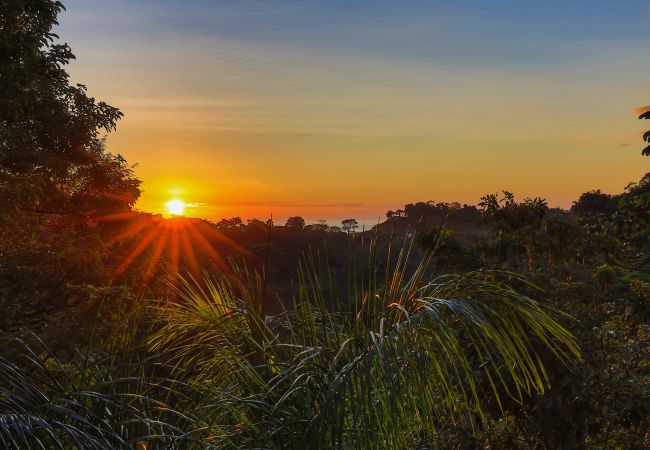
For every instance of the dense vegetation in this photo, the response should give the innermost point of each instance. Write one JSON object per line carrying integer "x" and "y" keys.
{"x": 501, "y": 325}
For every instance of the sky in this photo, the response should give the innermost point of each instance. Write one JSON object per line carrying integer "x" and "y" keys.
{"x": 339, "y": 109}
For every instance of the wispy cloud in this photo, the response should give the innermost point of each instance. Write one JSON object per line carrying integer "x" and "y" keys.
{"x": 641, "y": 109}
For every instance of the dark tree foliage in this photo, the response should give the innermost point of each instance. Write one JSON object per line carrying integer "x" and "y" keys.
{"x": 448, "y": 253}
{"x": 320, "y": 227}
{"x": 595, "y": 202}
{"x": 52, "y": 157}
{"x": 349, "y": 225}
{"x": 57, "y": 181}
{"x": 421, "y": 210}
{"x": 632, "y": 219}
{"x": 646, "y": 135}
{"x": 509, "y": 216}
{"x": 516, "y": 225}
{"x": 432, "y": 213}
{"x": 234, "y": 223}
{"x": 296, "y": 223}
{"x": 257, "y": 226}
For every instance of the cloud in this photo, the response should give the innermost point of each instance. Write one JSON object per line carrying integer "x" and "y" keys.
{"x": 641, "y": 109}
{"x": 252, "y": 183}
{"x": 625, "y": 144}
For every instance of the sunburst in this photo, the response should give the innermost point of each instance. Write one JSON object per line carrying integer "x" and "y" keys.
{"x": 187, "y": 244}
{"x": 175, "y": 207}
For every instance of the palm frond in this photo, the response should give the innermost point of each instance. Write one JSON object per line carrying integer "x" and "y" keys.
{"x": 414, "y": 357}
{"x": 46, "y": 404}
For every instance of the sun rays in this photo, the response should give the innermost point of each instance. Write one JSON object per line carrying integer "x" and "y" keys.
{"x": 161, "y": 247}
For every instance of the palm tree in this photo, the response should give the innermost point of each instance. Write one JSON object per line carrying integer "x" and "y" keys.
{"x": 412, "y": 357}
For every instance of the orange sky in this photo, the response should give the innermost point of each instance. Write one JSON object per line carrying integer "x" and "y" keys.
{"x": 331, "y": 113}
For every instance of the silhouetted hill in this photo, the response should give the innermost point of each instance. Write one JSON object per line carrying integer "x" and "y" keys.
{"x": 466, "y": 221}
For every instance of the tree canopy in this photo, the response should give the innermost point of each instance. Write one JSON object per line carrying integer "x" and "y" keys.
{"x": 295, "y": 222}
{"x": 349, "y": 225}
{"x": 52, "y": 152}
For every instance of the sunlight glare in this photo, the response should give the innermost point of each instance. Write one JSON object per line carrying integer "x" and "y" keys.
{"x": 175, "y": 207}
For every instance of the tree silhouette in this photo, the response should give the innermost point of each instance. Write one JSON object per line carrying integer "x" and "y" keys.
{"x": 321, "y": 226}
{"x": 646, "y": 135}
{"x": 295, "y": 223}
{"x": 349, "y": 225}
{"x": 595, "y": 202}
{"x": 231, "y": 224}
{"x": 516, "y": 225}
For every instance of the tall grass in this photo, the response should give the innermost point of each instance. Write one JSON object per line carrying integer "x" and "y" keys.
{"x": 406, "y": 357}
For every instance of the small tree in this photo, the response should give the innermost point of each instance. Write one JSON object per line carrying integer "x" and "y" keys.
{"x": 318, "y": 227}
{"x": 256, "y": 226}
{"x": 349, "y": 225}
{"x": 231, "y": 224}
{"x": 295, "y": 223}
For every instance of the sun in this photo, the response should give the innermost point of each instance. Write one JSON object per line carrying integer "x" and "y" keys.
{"x": 175, "y": 207}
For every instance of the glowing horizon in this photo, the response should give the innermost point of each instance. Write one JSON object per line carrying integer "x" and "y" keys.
{"x": 331, "y": 111}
